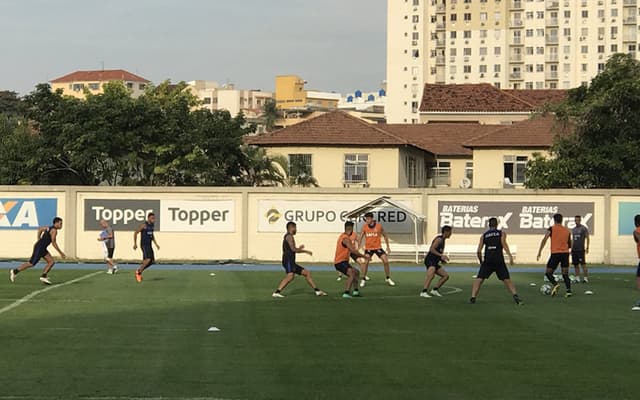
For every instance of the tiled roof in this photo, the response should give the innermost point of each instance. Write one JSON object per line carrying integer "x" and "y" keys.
{"x": 539, "y": 97}
{"x": 100, "y": 76}
{"x": 537, "y": 132}
{"x": 341, "y": 129}
{"x": 335, "y": 128}
{"x": 440, "y": 139}
{"x": 483, "y": 97}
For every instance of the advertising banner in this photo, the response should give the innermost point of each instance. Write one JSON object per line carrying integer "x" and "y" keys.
{"x": 24, "y": 214}
{"x": 517, "y": 218}
{"x": 626, "y": 212}
{"x": 197, "y": 216}
{"x": 121, "y": 214}
{"x": 324, "y": 216}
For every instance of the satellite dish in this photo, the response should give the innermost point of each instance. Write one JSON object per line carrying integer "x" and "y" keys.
{"x": 465, "y": 183}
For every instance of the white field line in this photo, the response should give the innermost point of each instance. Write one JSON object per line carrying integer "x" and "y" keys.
{"x": 110, "y": 398}
{"x": 37, "y": 292}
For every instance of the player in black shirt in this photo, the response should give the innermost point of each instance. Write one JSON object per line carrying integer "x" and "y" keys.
{"x": 494, "y": 242}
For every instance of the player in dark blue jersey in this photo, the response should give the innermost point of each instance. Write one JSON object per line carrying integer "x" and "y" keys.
{"x": 289, "y": 251}
{"x": 432, "y": 261}
{"x": 494, "y": 243}
{"x": 147, "y": 240}
{"x": 46, "y": 236}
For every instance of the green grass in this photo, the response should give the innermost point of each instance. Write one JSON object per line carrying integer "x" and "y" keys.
{"x": 108, "y": 337}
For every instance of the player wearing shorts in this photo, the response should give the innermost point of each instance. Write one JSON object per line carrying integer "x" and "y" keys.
{"x": 494, "y": 243}
{"x": 147, "y": 240}
{"x": 636, "y": 238}
{"x": 289, "y": 251}
{"x": 560, "y": 249}
{"x": 373, "y": 232}
{"x": 108, "y": 239}
{"x": 580, "y": 248}
{"x": 46, "y": 236}
{"x": 356, "y": 256}
{"x": 432, "y": 261}
{"x": 345, "y": 249}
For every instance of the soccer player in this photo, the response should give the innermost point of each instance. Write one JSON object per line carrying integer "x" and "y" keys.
{"x": 108, "y": 239}
{"x": 289, "y": 251}
{"x": 357, "y": 257}
{"x": 373, "y": 232}
{"x": 345, "y": 248}
{"x": 46, "y": 236}
{"x": 560, "y": 249}
{"x": 432, "y": 262}
{"x": 147, "y": 240}
{"x": 580, "y": 236}
{"x": 494, "y": 242}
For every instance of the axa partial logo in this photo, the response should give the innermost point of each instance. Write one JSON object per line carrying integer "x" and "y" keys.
{"x": 26, "y": 213}
{"x": 273, "y": 215}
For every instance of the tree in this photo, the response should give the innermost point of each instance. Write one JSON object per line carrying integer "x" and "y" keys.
{"x": 19, "y": 147}
{"x": 270, "y": 114}
{"x": 9, "y": 102}
{"x": 603, "y": 147}
{"x": 262, "y": 170}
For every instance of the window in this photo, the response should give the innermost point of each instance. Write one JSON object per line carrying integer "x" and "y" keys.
{"x": 468, "y": 171}
{"x": 453, "y": 34}
{"x": 585, "y": 14}
{"x": 496, "y": 68}
{"x": 300, "y": 164}
{"x": 129, "y": 85}
{"x": 467, "y": 34}
{"x": 411, "y": 171}
{"x": 415, "y": 53}
{"x": 441, "y": 173}
{"x": 94, "y": 86}
{"x": 467, "y": 17}
{"x": 482, "y": 69}
{"x": 483, "y": 33}
{"x": 454, "y": 17}
{"x": 206, "y": 100}
{"x": 356, "y": 168}
{"x": 415, "y": 19}
{"x": 453, "y": 52}
{"x": 497, "y": 50}
{"x": 77, "y": 87}
{"x": 514, "y": 167}
{"x": 483, "y": 51}
{"x": 467, "y": 69}
{"x": 142, "y": 86}
{"x": 466, "y": 51}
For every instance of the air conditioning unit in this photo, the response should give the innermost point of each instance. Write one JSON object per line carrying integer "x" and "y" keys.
{"x": 466, "y": 42}
{"x": 496, "y": 75}
{"x": 482, "y": 58}
{"x": 481, "y": 75}
{"x": 482, "y": 41}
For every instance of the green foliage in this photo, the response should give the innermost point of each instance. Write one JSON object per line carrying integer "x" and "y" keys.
{"x": 270, "y": 114}
{"x": 604, "y": 148}
{"x": 9, "y": 102}
{"x": 159, "y": 138}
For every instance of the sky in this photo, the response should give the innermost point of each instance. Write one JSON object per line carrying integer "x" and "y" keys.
{"x": 335, "y": 45}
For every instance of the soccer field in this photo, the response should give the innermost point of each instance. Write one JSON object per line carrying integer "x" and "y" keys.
{"x": 107, "y": 337}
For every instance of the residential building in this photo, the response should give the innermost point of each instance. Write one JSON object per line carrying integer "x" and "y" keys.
{"x": 297, "y": 104}
{"x": 77, "y": 83}
{"x": 341, "y": 150}
{"x": 368, "y": 106}
{"x": 226, "y": 97}
{"x": 511, "y": 44}
{"x": 482, "y": 103}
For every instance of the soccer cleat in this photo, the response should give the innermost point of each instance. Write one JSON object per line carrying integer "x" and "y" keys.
{"x": 555, "y": 289}
{"x": 390, "y": 282}
{"x": 138, "y": 277}
{"x": 346, "y": 296}
{"x": 636, "y": 307}
{"x": 277, "y": 295}
{"x": 518, "y": 301}
{"x": 472, "y": 300}
{"x": 320, "y": 293}
{"x": 366, "y": 278}
{"x": 568, "y": 294}
{"x": 110, "y": 271}
{"x": 355, "y": 294}
{"x": 362, "y": 283}
{"x": 435, "y": 293}
{"x": 339, "y": 278}
{"x": 425, "y": 295}
{"x": 12, "y": 276}
{"x": 115, "y": 269}
{"x": 45, "y": 280}
{"x": 585, "y": 280}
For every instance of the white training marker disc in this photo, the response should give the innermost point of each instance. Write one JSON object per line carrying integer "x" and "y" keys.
{"x": 212, "y": 274}
{"x": 532, "y": 284}
{"x": 588, "y": 292}
{"x": 213, "y": 329}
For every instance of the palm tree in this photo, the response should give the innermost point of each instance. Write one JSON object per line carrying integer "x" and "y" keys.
{"x": 262, "y": 170}
{"x": 300, "y": 174}
{"x": 270, "y": 114}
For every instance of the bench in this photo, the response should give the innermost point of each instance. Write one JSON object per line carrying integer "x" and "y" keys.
{"x": 455, "y": 252}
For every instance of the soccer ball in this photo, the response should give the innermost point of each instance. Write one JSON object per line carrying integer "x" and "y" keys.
{"x": 546, "y": 289}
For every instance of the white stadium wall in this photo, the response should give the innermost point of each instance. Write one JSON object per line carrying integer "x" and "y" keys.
{"x": 203, "y": 224}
